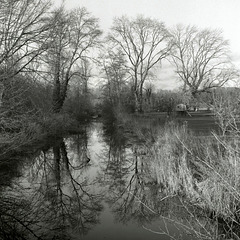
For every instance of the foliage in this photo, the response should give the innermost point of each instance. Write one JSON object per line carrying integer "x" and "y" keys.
{"x": 109, "y": 112}
{"x": 40, "y": 51}
{"x": 166, "y": 100}
{"x": 79, "y": 106}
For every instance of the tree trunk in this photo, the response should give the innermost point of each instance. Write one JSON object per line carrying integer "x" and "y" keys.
{"x": 136, "y": 102}
{"x": 141, "y": 99}
{"x": 58, "y": 100}
{"x": 57, "y": 171}
{"x": 59, "y": 93}
{"x": 57, "y": 105}
{"x": 1, "y": 93}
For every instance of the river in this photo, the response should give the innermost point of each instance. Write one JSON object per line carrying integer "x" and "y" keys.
{"x": 93, "y": 185}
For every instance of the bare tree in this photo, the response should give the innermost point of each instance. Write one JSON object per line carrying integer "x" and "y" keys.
{"x": 73, "y": 35}
{"x": 23, "y": 34}
{"x": 79, "y": 102}
{"x": 113, "y": 66}
{"x": 145, "y": 43}
{"x": 85, "y": 70}
{"x": 201, "y": 58}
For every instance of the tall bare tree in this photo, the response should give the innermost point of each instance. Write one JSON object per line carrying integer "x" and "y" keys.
{"x": 23, "y": 34}
{"x": 73, "y": 34}
{"x": 201, "y": 58}
{"x": 145, "y": 43}
{"x": 113, "y": 66}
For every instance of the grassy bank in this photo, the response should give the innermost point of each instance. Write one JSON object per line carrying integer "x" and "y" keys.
{"x": 204, "y": 170}
{"x": 200, "y": 169}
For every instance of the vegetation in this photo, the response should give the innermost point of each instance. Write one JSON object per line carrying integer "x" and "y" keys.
{"x": 199, "y": 173}
{"x": 201, "y": 58}
{"x": 46, "y": 76}
{"x": 41, "y": 51}
{"x": 206, "y": 172}
{"x": 46, "y": 65}
{"x": 145, "y": 43}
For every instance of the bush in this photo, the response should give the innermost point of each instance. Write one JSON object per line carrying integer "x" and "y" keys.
{"x": 58, "y": 124}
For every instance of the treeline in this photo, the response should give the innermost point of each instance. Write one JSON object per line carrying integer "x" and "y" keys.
{"x": 42, "y": 50}
{"x": 49, "y": 56}
{"x": 136, "y": 49}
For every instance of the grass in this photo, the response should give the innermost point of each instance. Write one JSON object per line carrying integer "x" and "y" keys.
{"x": 205, "y": 171}
{"x": 171, "y": 161}
{"x": 204, "y": 168}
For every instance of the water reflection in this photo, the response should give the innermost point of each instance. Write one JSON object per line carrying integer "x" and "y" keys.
{"x": 132, "y": 191}
{"x": 99, "y": 184}
{"x": 124, "y": 175}
{"x": 51, "y": 200}
{"x": 135, "y": 195}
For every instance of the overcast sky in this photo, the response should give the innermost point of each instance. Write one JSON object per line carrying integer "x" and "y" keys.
{"x": 220, "y": 14}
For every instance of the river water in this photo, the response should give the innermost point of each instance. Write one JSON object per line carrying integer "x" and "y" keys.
{"x": 93, "y": 185}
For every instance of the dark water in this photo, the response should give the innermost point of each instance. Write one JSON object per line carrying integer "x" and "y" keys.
{"x": 95, "y": 185}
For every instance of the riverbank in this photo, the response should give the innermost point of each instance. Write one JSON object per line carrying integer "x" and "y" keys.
{"x": 201, "y": 122}
{"x": 190, "y": 157}
{"x": 36, "y": 133}
{"x": 141, "y": 167}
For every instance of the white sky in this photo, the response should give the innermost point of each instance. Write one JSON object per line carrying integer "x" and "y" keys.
{"x": 220, "y": 14}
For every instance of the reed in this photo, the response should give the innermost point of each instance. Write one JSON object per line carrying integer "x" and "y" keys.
{"x": 204, "y": 170}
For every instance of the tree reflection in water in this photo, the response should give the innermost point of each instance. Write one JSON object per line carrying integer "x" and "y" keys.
{"x": 131, "y": 188}
{"x": 52, "y": 201}
{"x": 134, "y": 195}
{"x": 63, "y": 187}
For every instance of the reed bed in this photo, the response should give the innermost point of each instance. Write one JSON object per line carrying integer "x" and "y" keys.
{"x": 204, "y": 170}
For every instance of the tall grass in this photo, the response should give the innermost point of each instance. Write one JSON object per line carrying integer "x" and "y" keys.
{"x": 171, "y": 161}
{"x": 205, "y": 170}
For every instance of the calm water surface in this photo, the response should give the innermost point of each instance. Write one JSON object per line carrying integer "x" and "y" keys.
{"x": 95, "y": 185}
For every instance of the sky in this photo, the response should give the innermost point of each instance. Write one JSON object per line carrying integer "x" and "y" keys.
{"x": 216, "y": 14}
